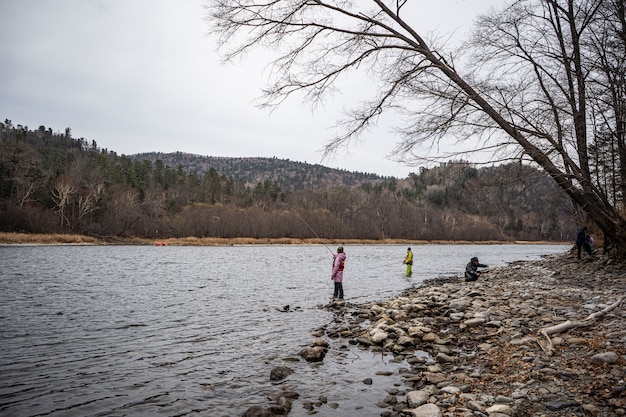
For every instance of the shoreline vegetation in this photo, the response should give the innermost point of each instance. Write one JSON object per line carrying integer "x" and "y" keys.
{"x": 13, "y": 238}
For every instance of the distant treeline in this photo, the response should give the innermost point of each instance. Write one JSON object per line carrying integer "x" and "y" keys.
{"x": 51, "y": 183}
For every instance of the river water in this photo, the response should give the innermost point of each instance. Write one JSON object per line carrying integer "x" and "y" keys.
{"x": 195, "y": 331}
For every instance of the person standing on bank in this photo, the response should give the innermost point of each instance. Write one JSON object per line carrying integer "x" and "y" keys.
{"x": 337, "y": 274}
{"x": 471, "y": 269}
{"x": 581, "y": 241}
{"x": 408, "y": 261}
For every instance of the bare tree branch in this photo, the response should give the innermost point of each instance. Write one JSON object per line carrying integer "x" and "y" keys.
{"x": 525, "y": 88}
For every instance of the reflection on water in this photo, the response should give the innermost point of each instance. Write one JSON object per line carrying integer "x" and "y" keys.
{"x": 174, "y": 331}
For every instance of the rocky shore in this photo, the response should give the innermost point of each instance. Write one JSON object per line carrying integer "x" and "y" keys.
{"x": 544, "y": 338}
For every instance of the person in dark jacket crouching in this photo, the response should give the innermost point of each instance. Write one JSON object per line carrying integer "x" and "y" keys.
{"x": 471, "y": 270}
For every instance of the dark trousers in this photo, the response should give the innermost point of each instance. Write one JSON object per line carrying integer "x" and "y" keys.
{"x": 338, "y": 290}
{"x": 471, "y": 277}
{"x": 586, "y": 246}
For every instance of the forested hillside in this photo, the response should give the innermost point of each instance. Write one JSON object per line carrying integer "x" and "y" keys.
{"x": 291, "y": 175}
{"x": 51, "y": 182}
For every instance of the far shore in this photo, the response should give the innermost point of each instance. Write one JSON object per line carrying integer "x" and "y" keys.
{"x": 75, "y": 239}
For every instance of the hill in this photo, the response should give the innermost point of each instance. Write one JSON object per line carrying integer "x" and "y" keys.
{"x": 290, "y": 175}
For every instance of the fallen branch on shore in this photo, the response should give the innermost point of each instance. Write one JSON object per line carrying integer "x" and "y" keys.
{"x": 543, "y": 335}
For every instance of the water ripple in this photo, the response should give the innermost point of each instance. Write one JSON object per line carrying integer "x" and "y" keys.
{"x": 178, "y": 331}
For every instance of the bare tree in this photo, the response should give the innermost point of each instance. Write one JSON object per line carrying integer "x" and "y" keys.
{"x": 88, "y": 198}
{"x": 523, "y": 93}
{"x": 608, "y": 84}
{"x": 62, "y": 191}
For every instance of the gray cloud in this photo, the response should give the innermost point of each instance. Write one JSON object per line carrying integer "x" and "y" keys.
{"x": 140, "y": 75}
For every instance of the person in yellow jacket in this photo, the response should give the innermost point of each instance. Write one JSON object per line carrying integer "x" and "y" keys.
{"x": 408, "y": 261}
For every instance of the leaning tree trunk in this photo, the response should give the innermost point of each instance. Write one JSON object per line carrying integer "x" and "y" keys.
{"x": 604, "y": 215}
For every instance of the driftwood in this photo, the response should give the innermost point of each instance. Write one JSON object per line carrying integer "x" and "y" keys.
{"x": 543, "y": 335}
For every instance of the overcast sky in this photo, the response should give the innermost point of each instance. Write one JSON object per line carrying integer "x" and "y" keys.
{"x": 141, "y": 76}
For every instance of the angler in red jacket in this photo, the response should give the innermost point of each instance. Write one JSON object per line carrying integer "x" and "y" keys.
{"x": 339, "y": 261}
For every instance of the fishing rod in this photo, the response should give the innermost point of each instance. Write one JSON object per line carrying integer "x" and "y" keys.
{"x": 312, "y": 230}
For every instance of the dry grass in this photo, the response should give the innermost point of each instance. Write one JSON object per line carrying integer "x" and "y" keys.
{"x": 45, "y": 239}
{"x": 66, "y": 239}
{"x": 216, "y": 241}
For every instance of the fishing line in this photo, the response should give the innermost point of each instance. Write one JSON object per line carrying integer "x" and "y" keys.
{"x": 311, "y": 229}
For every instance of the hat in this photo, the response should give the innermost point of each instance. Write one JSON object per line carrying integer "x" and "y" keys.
{"x": 474, "y": 259}
{"x": 340, "y": 249}
{"x": 409, "y": 249}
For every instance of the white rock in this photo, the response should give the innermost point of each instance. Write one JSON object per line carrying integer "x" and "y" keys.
{"x": 426, "y": 410}
{"x": 457, "y": 316}
{"x": 499, "y": 409}
{"x": 378, "y": 335}
{"x": 416, "y": 398}
{"x": 474, "y": 322}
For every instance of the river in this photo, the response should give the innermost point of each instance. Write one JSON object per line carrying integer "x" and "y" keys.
{"x": 195, "y": 331}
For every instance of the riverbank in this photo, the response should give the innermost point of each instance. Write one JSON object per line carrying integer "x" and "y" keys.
{"x": 75, "y": 239}
{"x": 544, "y": 338}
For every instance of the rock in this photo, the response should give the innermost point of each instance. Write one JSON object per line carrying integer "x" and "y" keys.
{"x": 258, "y": 411}
{"x": 378, "y": 335}
{"x": 276, "y": 410}
{"x": 426, "y": 410}
{"x": 474, "y": 322}
{"x": 433, "y": 378}
{"x": 280, "y": 372}
{"x": 500, "y": 409}
{"x": 459, "y": 305}
{"x": 416, "y": 398}
{"x": 390, "y": 399}
{"x": 604, "y": 358}
{"x": 484, "y": 347}
{"x": 591, "y": 410}
{"x": 500, "y": 399}
{"x": 405, "y": 340}
{"x": 285, "y": 403}
{"x": 318, "y": 333}
{"x": 476, "y": 406}
{"x": 320, "y": 342}
{"x": 275, "y": 396}
{"x": 434, "y": 368}
{"x": 415, "y": 331}
{"x": 561, "y": 404}
{"x": 450, "y": 389}
{"x": 475, "y": 350}
{"x": 313, "y": 354}
{"x": 442, "y": 357}
{"x": 364, "y": 341}
{"x": 457, "y": 316}
{"x": 429, "y": 337}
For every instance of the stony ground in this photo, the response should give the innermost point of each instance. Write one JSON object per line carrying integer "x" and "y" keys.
{"x": 486, "y": 355}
